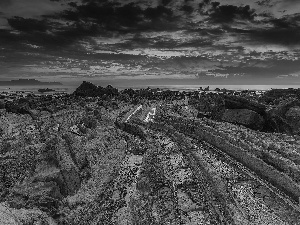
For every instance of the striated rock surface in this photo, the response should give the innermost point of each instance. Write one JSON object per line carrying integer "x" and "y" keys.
{"x": 85, "y": 162}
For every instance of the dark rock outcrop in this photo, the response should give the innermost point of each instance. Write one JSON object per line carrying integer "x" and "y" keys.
{"x": 87, "y": 89}
{"x": 246, "y": 117}
{"x": 21, "y": 106}
{"x": 234, "y": 102}
{"x": 282, "y": 119}
{"x": 268, "y": 120}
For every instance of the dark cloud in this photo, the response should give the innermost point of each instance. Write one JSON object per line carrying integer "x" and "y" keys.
{"x": 27, "y": 25}
{"x": 187, "y": 8}
{"x": 283, "y": 36}
{"x": 227, "y": 13}
{"x": 286, "y": 21}
{"x": 277, "y": 68}
{"x": 112, "y": 16}
{"x": 158, "y": 13}
{"x": 5, "y": 2}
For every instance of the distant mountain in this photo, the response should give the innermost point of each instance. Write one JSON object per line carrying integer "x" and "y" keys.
{"x": 27, "y": 82}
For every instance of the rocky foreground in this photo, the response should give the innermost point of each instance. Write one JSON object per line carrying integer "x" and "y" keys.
{"x": 103, "y": 159}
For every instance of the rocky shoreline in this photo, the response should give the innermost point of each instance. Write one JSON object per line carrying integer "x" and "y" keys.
{"x": 92, "y": 158}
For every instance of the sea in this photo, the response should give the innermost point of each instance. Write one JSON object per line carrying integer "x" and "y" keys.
{"x": 71, "y": 88}
{"x": 34, "y": 89}
{"x": 213, "y": 87}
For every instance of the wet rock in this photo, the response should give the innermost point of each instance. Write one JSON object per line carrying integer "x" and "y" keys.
{"x": 245, "y": 117}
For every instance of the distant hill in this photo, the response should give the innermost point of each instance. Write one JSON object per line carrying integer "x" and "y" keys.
{"x": 27, "y": 82}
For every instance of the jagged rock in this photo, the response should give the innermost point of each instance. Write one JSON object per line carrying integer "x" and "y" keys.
{"x": 245, "y": 117}
{"x": 87, "y": 89}
{"x": 110, "y": 90}
{"x": 11, "y": 216}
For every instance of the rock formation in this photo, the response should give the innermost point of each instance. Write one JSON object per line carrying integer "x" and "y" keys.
{"x": 246, "y": 117}
{"x": 87, "y": 89}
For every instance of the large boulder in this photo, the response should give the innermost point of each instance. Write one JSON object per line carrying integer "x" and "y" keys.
{"x": 246, "y": 117}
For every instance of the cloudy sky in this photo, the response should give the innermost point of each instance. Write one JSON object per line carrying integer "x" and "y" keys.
{"x": 158, "y": 41}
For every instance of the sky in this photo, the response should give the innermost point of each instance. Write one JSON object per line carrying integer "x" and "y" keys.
{"x": 154, "y": 42}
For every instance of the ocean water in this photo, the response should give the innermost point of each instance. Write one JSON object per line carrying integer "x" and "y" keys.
{"x": 34, "y": 89}
{"x": 71, "y": 88}
{"x": 213, "y": 87}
